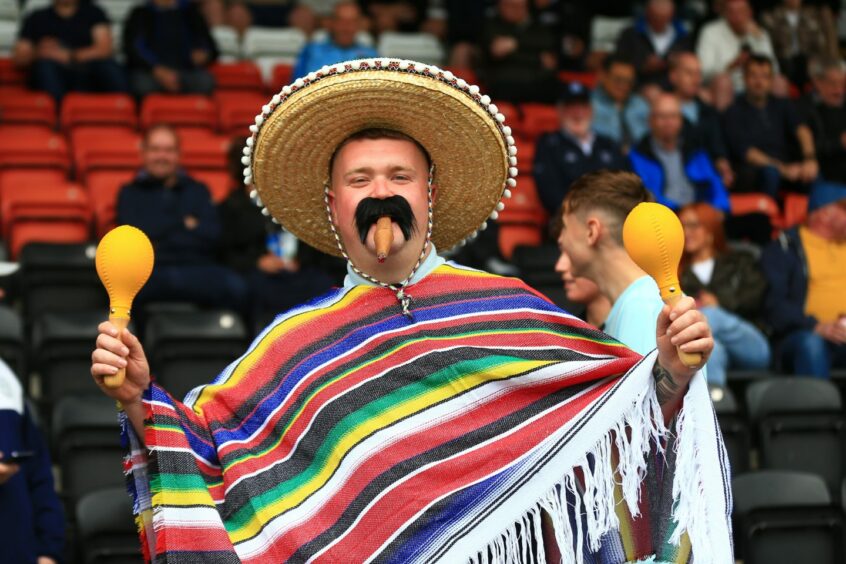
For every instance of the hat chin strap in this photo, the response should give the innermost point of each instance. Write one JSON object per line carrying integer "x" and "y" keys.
{"x": 402, "y": 297}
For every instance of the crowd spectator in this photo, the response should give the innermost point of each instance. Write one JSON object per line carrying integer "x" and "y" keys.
{"x": 619, "y": 112}
{"x": 675, "y": 168}
{"x": 177, "y": 214}
{"x": 563, "y": 156}
{"x": 761, "y": 130}
{"x": 725, "y": 44}
{"x": 824, "y": 111}
{"x": 395, "y": 15}
{"x": 32, "y": 524}
{"x": 519, "y": 55}
{"x": 66, "y": 47}
{"x": 729, "y": 289}
{"x": 341, "y": 45}
{"x": 583, "y": 291}
{"x": 702, "y": 121}
{"x": 274, "y": 264}
{"x": 242, "y": 14}
{"x": 806, "y": 271}
{"x": 168, "y": 48}
{"x": 799, "y": 33}
{"x": 652, "y": 38}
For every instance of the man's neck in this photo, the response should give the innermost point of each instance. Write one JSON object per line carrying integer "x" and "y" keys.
{"x": 667, "y": 144}
{"x": 757, "y": 101}
{"x": 614, "y": 272}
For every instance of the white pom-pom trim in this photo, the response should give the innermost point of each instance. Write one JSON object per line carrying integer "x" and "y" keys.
{"x": 494, "y": 215}
{"x": 500, "y": 206}
{"x": 485, "y": 100}
{"x": 511, "y": 182}
{"x": 506, "y": 193}
{"x": 512, "y": 171}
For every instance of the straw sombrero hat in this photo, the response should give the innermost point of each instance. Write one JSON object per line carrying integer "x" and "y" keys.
{"x": 287, "y": 156}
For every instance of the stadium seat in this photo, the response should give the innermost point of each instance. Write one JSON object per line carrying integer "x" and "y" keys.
{"x": 237, "y": 111}
{"x": 795, "y": 209}
{"x": 9, "y": 10}
{"x": 217, "y": 181}
{"x": 11, "y": 75}
{"x": 182, "y": 111}
{"x": 116, "y": 110}
{"x": 786, "y": 518}
{"x": 105, "y": 148}
{"x": 12, "y": 346}
{"x": 743, "y": 204}
{"x": 604, "y": 32}
{"x": 61, "y": 352}
{"x": 243, "y": 75}
{"x": 525, "y": 157}
{"x": 55, "y": 214}
{"x": 103, "y": 189}
{"x": 8, "y": 36}
{"x": 268, "y": 47}
{"x": 188, "y": 349}
{"x": 202, "y": 149}
{"x": 470, "y": 77}
{"x": 106, "y": 526}
{"x": 537, "y": 269}
{"x": 800, "y": 426}
{"x": 537, "y": 119}
{"x": 227, "y": 42}
{"x": 523, "y": 220}
{"x": 423, "y": 47}
{"x": 281, "y": 76}
{"x": 17, "y": 179}
{"x": 734, "y": 428}
{"x": 510, "y": 111}
{"x": 30, "y": 146}
{"x": 27, "y": 107}
{"x": 86, "y": 440}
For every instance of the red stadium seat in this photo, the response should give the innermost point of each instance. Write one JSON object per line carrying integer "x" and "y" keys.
{"x": 587, "y": 78}
{"x": 98, "y": 109}
{"x": 468, "y": 75}
{"x": 537, "y": 119}
{"x": 103, "y": 189}
{"x": 182, "y": 111}
{"x": 202, "y": 149}
{"x": 218, "y": 182}
{"x": 523, "y": 220}
{"x": 16, "y": 179}
{"x": 97, "y": 148}
{"x": 237, "y": 111}
{"x": 795, "y": 209}
{"x": 525, "y": 156}
{"x": 20, "y": 106}
{"x": 282, "y": 76}
{"x": 510, "y": 111}
{"x": 32, "y": 146}
{"x": 10, "y": 74}
{"x": 243, "y": 75}
{"x": 742, "y": 204}
{"x": 55, "y": 214}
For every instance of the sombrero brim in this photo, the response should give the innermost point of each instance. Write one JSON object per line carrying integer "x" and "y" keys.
{"x": 294, "y": 140}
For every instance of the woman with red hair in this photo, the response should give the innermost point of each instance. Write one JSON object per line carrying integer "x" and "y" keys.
{"x": 729, "y": 289}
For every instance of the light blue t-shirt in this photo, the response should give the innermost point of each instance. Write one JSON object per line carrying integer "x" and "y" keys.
{"x": 634, "y": 317}
{"x": 315, "y": 55}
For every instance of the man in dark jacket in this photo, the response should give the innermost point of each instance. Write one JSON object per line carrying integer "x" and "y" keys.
{"x": 806, "y": 269}
{"x": 168, "y": 48}
{"x": 563, "y": 156}
{"x": 824, "y": 110}
{"x": 177, "y": 214}
{"x": 675, "y": 169}
{"x": 652, "y": 38}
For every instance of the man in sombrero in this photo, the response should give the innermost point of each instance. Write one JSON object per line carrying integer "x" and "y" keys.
{"x": 424, "y": 412}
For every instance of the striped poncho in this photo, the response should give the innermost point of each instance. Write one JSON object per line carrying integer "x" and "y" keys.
{"x": 489, "y": 424}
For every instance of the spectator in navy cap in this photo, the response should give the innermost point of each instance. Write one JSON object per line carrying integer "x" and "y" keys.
{"x": 564, "y": 155}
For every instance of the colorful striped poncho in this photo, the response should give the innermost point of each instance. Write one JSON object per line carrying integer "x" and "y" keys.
{"x": 488, "y": 425}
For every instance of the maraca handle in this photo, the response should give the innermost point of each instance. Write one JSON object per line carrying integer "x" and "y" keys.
{"x": 688, "y": 359}
{"x": 116, "y": 380}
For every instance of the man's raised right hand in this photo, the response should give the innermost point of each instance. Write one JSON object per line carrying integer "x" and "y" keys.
{"x": 115, "y": 350}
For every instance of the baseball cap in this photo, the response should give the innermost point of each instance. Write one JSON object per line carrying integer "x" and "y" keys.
{"x": 825, "y": 192}
{"x": 574, "y": 93}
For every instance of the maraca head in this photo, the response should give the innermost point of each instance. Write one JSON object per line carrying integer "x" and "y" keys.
{"x": 124, "y": 263}
{"x": 654, "y": 238}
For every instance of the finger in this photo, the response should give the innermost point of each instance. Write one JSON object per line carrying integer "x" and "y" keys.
{"x": 702, "y": 346}
{"x": 107, "y": 328}
{"x": 687, "y": 319}
{"x": 105, "y": 357}
{"x": 663, "y": 323}
{"x": 691, "y": 333}
{"x": 132, "y": 343}
{"x": 681, "y": 307}
{"x": 99, "y": 370}
{"x": 112, "y": 345}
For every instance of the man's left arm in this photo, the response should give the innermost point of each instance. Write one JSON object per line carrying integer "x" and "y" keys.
{"x": 101, "y": 45}
{"x": 810, "y": 167}
{"x": 685, "y": 327}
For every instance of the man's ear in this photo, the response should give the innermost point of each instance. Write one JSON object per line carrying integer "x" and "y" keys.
{"x": 593, "y": 230}
{"x": 434, "y": 193}
{"x": 330, "y": 194}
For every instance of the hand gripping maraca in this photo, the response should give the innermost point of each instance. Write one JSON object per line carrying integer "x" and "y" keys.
{"x": 654, "y": 238}
{"x": 124, "y": 262}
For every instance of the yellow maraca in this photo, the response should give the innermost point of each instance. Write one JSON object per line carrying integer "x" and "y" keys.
{"x": 124, "y": 262}
{"x": 654, "y": 238}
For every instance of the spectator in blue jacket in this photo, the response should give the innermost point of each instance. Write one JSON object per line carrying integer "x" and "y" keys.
{"x": 651, "y": 40}
{"x": 32, "y": 523}
{"x": 563, "y": 156}
{"x": 341, "y": 45}
{"x": 805, "y": 305}
{"x": 177, "y": 214}
{"x": 675, "y": 170}
{"x": 168, "y": 48}
{"x": 618, "y": 112}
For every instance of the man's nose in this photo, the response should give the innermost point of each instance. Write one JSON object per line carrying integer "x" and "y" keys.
{"x": 381, "y": 188}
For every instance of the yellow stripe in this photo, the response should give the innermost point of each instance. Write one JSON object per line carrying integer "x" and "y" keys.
{"x": 369, "y": 426}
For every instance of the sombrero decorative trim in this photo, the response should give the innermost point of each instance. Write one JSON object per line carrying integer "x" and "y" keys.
{"x": 472, "y": 149}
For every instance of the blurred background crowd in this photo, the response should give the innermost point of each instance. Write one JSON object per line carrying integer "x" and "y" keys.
{"x": 732, "y": 112}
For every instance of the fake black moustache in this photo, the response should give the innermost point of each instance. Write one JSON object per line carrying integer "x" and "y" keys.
{"x": 369, "y": 210}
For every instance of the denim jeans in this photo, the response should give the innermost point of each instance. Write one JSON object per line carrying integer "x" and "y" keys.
{"x": 102, "y": 75}
{"x": 807, "y": 354}
{"x": 737, "y": 344}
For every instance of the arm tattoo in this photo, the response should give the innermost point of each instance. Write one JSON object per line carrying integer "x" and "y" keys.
{"x": 665, "y": 387}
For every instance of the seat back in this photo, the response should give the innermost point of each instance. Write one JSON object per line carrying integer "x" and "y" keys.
{"x": 80, "y": 108}
{"x": 217, "y": 181}
{"x": 33, "y": 146}
{"x": 106, "y": 527}
{"x": 734, "y": 428}
{"x": 27, "y": 107}
{"x": 105, "y": 148}
{"x": 237, "y": 111}
{"x": 12, "y": 349}
{"x": 203, "y": 149}
{"x": 103, "y": 189}
{"x": 423, "y": 47}
{"x": 238, "y": 76}
{"x": 182, "y": 111}
{"x": 538, "y": 119}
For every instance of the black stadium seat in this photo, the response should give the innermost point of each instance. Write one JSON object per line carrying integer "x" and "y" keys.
{"x": 106, "y": 528}
{"x": 734, "y": 428}
{"x": 12, "y": 348}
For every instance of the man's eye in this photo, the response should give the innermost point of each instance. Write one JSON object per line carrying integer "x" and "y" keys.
{"x": 402, "y": 178}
